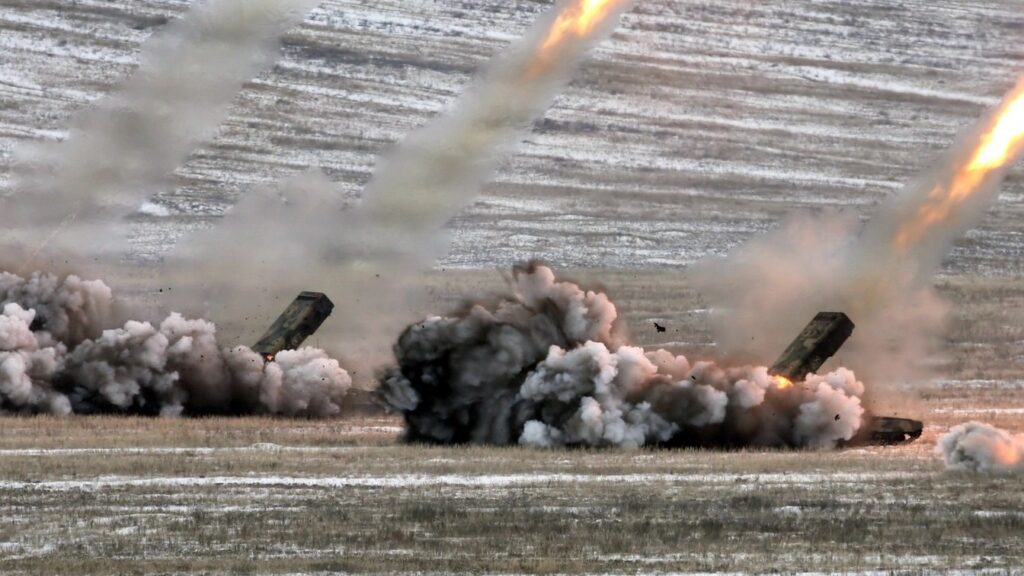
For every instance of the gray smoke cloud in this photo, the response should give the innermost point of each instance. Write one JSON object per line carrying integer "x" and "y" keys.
{"x": 55, "y": 358}
{"x": 546, "y": 367}
{"x": 71, "y": 197}
{"x": 69, "y": 309}
{"x": 763, "y": 292}
{"x": 977, "y": 447}
{"x": 879, "y": 273}
{"x": 59, "y": 350}
{"x": 369, "y": 257}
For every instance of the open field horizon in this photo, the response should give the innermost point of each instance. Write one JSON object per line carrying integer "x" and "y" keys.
{"x": 697, "y": 126}
{"x": 109, "y": 495}
{"x": 268, "y": 496}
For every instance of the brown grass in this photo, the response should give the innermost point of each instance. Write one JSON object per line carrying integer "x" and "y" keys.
{"x": 619, "y": 512}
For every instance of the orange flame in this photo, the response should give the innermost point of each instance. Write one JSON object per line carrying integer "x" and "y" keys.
{"x": 578, "y": 20}
{"x": 998, "y": 147}
{"x": 1008, "y": 452}
{"x": 782, "y": 383}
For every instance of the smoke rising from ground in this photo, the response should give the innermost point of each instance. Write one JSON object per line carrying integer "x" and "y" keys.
{"x": 59, "y": 350}
{"x": 880, "y": 274}
{"x": 545, "y": 367}
{"x": 369, "y": 256}
{"x": 55, "y": 358}
{"x": 765, "y": 290}
{"x": 72, "y": 197}
{"x": 977, "y": 447}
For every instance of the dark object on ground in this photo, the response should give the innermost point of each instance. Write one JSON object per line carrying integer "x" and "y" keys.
{"x": 661, "y": 329}
{"x": 819, "y": 341}
{"x": 297, "y": 323}
{"x": 888, "y": 431}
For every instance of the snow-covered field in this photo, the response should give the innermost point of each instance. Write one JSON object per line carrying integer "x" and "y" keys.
{"x": 226, "y": 496}
{"x": 220, "y": 496}
{"x": 698, "y": 125}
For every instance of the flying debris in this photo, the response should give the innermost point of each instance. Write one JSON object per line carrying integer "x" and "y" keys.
{"x": 546, "y": 367}
{"x": 818, "y": 342}
{"x": 299, "y": 321}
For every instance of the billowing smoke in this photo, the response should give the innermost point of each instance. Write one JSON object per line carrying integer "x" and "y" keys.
{"x": 880, "y": 274}
{"x": 764, "y": 292}
{"x": 70, "y": 310}
{"x": 71, "y": 197}
{"x": 977, "y": 447}
{"x": 546, "y": 367}
{"x": 55, "y": 358}
{"x": 59, "y": 350}
{"x": 370, "y": 255}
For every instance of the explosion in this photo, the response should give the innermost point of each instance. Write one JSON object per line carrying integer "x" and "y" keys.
{"x": 977, "y": 447}
{"x": 547, "y": 367}
{"x": 56, "y": 358}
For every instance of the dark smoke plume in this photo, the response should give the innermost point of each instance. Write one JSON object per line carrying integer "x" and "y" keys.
{"x": 55, "y": 358}
{"x": 546, "y": 367}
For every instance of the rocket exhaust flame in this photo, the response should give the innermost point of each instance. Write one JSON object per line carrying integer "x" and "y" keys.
{"x": 577, "y": 21}
{"x": 999, "y": 146}
{"x": 879, "y": 273}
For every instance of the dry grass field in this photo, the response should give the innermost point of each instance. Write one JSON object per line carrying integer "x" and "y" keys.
{"x": 699, "y": 125}
{"x": 261, "y": 496}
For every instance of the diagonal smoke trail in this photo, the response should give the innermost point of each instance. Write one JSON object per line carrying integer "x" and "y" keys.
{"x": 915, "y": 229}
{"x": 880, "y": 274}
{"x": 367, "y": 258}
{"x": 72, "y": 196}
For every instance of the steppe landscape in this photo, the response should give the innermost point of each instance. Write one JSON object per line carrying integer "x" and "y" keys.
{"x": 697, "y": 126}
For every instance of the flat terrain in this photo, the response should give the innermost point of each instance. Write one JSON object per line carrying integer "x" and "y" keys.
{"x": 117, "y": 496}
{"x": 273, "y": 497}
{"x": 701, "y": 123}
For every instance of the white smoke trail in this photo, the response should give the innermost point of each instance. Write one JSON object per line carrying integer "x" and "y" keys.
{"x": 546, "y": 368}
{"x": 879, "y": 274}
{"x": 71, "y": 197}
{"x": 368, "y": 258}
{"x": 172, "y": 369}
{"x": 57, "y": 351}
{"x": 977, "y": 447}
{"x": 763, "y": 292}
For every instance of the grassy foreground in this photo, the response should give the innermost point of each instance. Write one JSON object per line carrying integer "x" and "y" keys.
{"x": 278, "y": 497}
{"x": 259, "y": 496}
